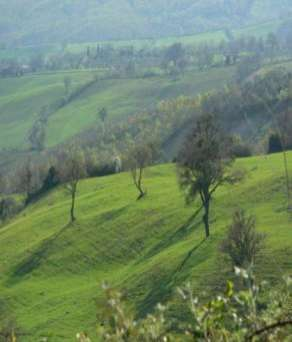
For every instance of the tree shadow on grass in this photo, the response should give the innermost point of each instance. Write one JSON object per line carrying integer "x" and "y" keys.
{"x": 188, "y": 256}
{"x": 113, "y": 214}
{"x": 187, "y": 228}
{"x": 163, "y": 283}
{"x": 34, "y": 260}
{"x": 40, "y": 254}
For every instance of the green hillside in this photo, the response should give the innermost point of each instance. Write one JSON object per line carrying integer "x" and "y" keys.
{"x": 213, "y": 36}
{"x": 51, "y": 21}
{"x": 51, "y": 273}
{"x": 21, "y": 100}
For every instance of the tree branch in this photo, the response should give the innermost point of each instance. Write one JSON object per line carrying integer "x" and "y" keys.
{"x": 267, "y": 328}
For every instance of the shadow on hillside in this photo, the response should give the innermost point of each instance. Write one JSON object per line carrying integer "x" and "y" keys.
{"x": 187, "y": 228}
{"x": 40, "y": 254}
{"x": 164, "y": 282}
{"x": 113, "y": 214}
{"x": 34, "y": 260}
{"x": 188, "y": 256}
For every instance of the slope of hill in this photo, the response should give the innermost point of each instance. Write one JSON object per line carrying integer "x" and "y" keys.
{"x": 51, "y": 272}
{"x": 21, "y": 100}
{"x": 51, "y": 21}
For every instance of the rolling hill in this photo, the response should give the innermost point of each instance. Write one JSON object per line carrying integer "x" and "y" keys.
{"x": 21, "y": 100}
{"x": 51, "y": 272}
{"x": 52, "y": 21}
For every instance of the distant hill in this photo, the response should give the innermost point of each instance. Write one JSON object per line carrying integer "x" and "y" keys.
{"x": 49, "y": 21}
{"x": 21, "y": 99}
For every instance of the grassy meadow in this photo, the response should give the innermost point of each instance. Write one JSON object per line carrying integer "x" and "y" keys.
{"x": 51, "y": 272}
{"x": 21, "y": 100}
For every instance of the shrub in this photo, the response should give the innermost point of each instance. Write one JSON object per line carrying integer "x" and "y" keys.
{"x": 51, "y": 180}
{"x": 243, "y": 242}
{"x": 149, "y": 73}
{"x": 8, "y": 208}
{"x": 101, "y": 169}
{"x": 254, "y": 313}
{"x": 242, "y": 150}
{"x": 275, "y": 144}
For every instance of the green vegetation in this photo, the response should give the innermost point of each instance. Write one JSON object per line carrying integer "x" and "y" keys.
{"x": 249, "y": 312}
{"x": 51, "y": 272}
{"x": 210, "y": 37}
{"x": 96, "y": 99}
{"x": 21, "y": 100}
{"x": 85, "y": 21}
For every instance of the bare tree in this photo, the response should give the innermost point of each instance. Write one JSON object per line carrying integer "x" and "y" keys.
{"x": 71, "y": 171}
{"x": 26, "y": 180}
{"x": 141, "y": 155}
{"x": 284, "y": 125}
{"x": 103, "y": 114}
{"x": 67, "y": 85}
{"x": 3, "y": 184}
{"x": 242, "y": 243}
{"x": 37, "y": 135}
{"x": 203, "y": 162}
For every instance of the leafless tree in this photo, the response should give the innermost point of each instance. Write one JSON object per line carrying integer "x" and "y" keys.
{"x": 67, "y": 84}
{"x": 72, "y": 170}
{"x": 140, "y": 155}
{"x": 26, "y": 179}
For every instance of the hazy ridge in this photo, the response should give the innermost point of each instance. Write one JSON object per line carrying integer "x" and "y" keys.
{"x": 51, "y": 21}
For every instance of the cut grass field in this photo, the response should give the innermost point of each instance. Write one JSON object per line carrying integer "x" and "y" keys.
{"x": 51, "y": 272}
{"x": 21, "y": 100}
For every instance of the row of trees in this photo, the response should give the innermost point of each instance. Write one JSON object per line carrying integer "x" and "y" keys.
{"x": 240, "y": 107}
{"x": 174, "y": 59}
{"x": 64, "y": 166}
{"x": 37, "y": 134}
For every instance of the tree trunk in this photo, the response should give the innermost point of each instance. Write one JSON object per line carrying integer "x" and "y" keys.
{"x": 287, "y": 179}
{"x": 139, "y": 185}
{"x": 141, "y": 195}
{"x": 206, "y": 217}
{"x": 72, "y": 216}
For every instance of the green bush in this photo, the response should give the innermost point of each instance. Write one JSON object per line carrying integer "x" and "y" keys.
{"x": 252, "y": 313}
